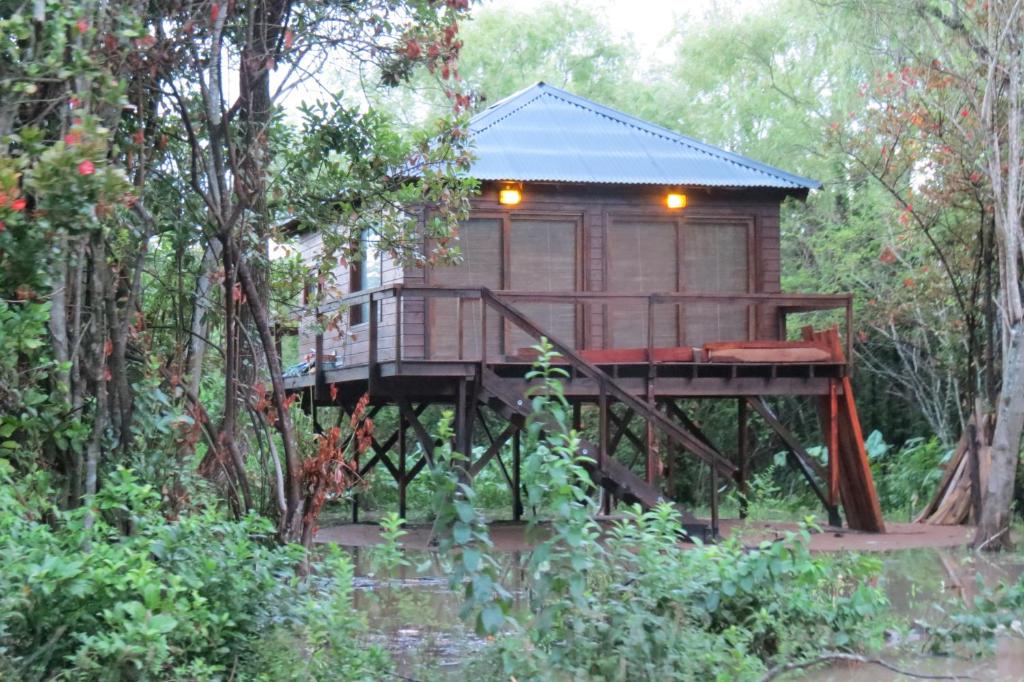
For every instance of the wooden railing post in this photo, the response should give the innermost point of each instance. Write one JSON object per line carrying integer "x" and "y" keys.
{"x": 650, "y": 335}
{"x": 372, "y": 362}
{"x": 399, "y": 312}
{"x": 483, "y": 330}
{"x": 318, "y": 354}
{"x": 849, "y": 330}
{"x": 459, "y": 327}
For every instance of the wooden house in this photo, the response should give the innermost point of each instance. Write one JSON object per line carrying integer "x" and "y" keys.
{"x": 652, "y": 262}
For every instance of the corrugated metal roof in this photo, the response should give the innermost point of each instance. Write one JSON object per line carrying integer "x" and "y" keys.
{"x": 543, "y": 133}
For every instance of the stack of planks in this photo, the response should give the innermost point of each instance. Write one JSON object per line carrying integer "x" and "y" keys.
{"x": 958, "y": 498}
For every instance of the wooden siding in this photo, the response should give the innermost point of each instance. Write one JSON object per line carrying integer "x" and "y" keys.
{"x": 593, "y": 211}
{"x": 347, "y": 342}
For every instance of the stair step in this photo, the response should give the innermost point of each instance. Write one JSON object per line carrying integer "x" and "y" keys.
{"x": 611, "y": 474}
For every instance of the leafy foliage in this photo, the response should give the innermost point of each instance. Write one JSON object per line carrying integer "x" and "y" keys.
{"x": 136, "y": 596}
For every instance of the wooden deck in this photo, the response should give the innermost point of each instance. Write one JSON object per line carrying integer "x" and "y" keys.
{"x": 492, "y": 374}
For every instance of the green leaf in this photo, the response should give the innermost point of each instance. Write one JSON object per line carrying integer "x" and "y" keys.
{"x": 471, "y": 559}
{"x": 461, "y": 533}
{"x": 491, "y": 618}
{"x": 465, "y": 511}
{"x": 163, "y": 623}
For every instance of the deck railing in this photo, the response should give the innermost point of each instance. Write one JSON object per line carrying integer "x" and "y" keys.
{"x": 781, "y": 304}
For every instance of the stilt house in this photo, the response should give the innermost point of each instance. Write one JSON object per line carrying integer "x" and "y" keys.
{"x": 650, "y": 260}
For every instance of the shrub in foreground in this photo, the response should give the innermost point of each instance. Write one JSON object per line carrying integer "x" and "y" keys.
{"x": 121, "y": 593}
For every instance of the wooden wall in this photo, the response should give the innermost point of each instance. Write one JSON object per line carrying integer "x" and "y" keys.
{"x": 349, "y": 342}
{"x": 591, "y": 214}
{"x": 600, "y": 213}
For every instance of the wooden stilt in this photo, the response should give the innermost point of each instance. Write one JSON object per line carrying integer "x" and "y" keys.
{"x": 743, "y": 455}
{"x": 714, "y": 502}
{"x": 653, "y": 464}
{"x": 517, "y": 497}
{"x": 602, "y": 445}
{"x": 832, "y": 418}
{"x": 403, "y": 484}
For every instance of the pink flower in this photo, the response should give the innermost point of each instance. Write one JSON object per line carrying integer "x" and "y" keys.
{"x": 86, "y": 168}
{"x": 82, "y": 25}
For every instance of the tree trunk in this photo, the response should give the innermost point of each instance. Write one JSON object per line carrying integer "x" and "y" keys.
{"x": 290, "y": 528}
{"x": 993, "y": 531}
{"x": 201, "y": 308}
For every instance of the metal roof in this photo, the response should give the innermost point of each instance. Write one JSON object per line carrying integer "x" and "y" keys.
{"x": 543, "y": 133}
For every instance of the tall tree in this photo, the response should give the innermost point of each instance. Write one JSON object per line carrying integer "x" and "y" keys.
{"x": 119, "y": 125}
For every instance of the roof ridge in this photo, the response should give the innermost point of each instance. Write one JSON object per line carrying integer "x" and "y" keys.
{"x": 745, "y": 171}
{"x": 669, "y": 135}
{"x": 492, "y": 109}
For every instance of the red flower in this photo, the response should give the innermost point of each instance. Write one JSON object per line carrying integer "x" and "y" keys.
{"x": 86, "y": 168}
{"x": 18, "y": 205}
{"x": 73, "y": 137}
{"x": 82, "y": 25}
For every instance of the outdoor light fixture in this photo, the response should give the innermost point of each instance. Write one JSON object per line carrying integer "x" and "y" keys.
{"x": 675, "y": 200}
{"x": 510, "y": 194}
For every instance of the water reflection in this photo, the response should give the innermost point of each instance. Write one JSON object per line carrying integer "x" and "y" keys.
{"x": 415, "y": 615}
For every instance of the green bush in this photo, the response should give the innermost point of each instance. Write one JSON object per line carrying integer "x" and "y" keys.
{"x": 906, "y": 477}
{"x": 654, "y": 609}
{"x": 118, "y": 592}
{"x": 638, "y": 604}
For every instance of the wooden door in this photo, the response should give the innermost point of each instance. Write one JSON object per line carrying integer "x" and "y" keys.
{"x": 543, "y": 256}
{"x": 715, "y": 259}
{"x": 480, "y": 243}
{"x": 642, "y": 259}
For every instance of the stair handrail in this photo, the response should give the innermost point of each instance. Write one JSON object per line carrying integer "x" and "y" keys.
{"x": 608, "y": 383}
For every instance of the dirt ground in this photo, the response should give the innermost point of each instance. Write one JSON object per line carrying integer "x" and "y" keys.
{"x": 510, "y": 537}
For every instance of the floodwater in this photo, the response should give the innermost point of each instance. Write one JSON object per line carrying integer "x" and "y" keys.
{"x": 415, "y": 615}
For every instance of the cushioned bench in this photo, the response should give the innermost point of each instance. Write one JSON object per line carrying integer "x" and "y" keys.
{"x": 621, "y": 356}
{"x": 768, "y": 352}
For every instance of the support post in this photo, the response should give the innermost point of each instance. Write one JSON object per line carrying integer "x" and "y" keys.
{"x": 833, "y": 454}
{"x": 463, "y": 421}
{"x": 714, "y": 502}
{"x": 403, "y": 484}
{"x": 743, "y": 455}
{"x": 602, "y": 445}
{"x": 517, "y": 496}
{"x": 653, "y": 465}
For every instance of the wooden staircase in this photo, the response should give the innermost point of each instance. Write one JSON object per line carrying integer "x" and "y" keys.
{"x": 605, "y": 470}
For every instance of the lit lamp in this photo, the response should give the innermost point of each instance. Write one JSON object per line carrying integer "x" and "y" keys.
{"x": 675, "y": 200}
{"x": 510, "y": 194}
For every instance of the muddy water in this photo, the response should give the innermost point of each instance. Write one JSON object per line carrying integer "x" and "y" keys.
{"x": 415, "y": 615}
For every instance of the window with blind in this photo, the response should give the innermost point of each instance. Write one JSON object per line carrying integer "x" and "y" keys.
{"x": 643, "y": 258}
{"x": 715, "y": 260}
{"x": 480, "y": 244}
{"x": 543, "y": 257}
{"x": 652, "y": 256}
